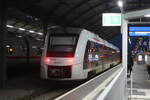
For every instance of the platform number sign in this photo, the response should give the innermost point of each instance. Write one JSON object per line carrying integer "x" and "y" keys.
{"x": 111, "y": 19}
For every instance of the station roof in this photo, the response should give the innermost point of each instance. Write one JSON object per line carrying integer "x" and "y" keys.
{"x": 30, "y": 14}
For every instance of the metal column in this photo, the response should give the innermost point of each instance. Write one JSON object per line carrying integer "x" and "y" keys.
{"x": 124, "y": 49}
{"x": 3, "y": 9}
{"x": 45, "y": 26}
{"x": 124, "y": 42}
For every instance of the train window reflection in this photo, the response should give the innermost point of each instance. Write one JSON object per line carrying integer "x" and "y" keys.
{"x": 62, "y": 43}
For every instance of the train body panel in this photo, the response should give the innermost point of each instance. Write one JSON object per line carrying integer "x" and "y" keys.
{"x": 75, "y": 57}
{"x": 77, "y": 69}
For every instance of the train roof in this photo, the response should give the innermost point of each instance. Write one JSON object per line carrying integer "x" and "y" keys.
{"x": 103, "y": 41}
{"x": 65, "y": 30}
{"x": 71, "y": 30}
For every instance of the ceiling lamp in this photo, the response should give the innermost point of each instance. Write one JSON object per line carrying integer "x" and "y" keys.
{"x": 32, "y": 31}
{"x": 10, "y": 26}
{"x": 120, "y": 4}
{"x": 22, "y": 29}
{"x": 40, "y": 33}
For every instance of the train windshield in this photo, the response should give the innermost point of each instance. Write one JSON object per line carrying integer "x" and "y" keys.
{"x": 62, "y": 46}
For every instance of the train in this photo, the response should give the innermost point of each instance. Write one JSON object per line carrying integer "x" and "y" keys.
{"x": 23, "y": 55}
{"x": 76, "y": 54}
{"x": 17, "y": 51}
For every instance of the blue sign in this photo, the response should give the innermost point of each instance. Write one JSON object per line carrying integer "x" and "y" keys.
{"x": 139, "y": 31}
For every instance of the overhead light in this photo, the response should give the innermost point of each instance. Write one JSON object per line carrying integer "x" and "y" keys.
{"x": 22, "y": 29}
{"x": 10, "y": 26}
{"x": 32, "y": 31}
{"x": 36, "y": 19}
{"x": 40, "y": 33}
{"x": 8, "y": 46}
{"x": 120, "y": 3}
{"x": 38, "y": 39}
{"x": 148, "y": 15}
{"x": 34, "y": 47}
{"x": 53, "y": 27}
{"x": 19, "y": 36}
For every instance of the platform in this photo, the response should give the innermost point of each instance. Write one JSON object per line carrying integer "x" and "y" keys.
{"x": 140, "y": 83}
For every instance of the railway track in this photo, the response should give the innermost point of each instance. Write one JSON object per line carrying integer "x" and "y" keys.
{"x": 24, "y": 83}
{"x": 47, "y": 94}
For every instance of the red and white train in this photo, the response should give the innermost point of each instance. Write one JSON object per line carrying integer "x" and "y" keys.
{"x": 75, "y": 54}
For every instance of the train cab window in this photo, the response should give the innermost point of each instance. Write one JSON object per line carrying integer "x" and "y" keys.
{"x": 62, "y": 40}
{"x": 65, "y": 45}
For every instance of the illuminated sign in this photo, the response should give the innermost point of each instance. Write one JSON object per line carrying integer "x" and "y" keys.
{"x": 111, "y": 19}
{"x": 140, "y": 58}
{"x": 139, "y": 31}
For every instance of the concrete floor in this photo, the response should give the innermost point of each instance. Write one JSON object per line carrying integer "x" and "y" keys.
{"x": 140, "y": 81}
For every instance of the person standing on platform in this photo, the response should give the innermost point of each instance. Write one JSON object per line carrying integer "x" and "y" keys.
{"x": 129, "y": 64}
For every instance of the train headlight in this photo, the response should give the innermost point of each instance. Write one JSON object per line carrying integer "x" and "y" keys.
{"x": 47, "y": 60}
{"x": 70, "y": 60}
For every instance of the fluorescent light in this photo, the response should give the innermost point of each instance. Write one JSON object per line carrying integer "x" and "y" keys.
{"x": 34, "y": 47}
{"x": 38, "y": 39}
{"x": 148, "y": 15}
{"x": 19, "y": 36}
{"x": 32, "y": 31}
{"x": 10, "y": 26}
{"x": 120, "y": 3}
{"x": 35, "y": 18}
{"x": 40, "y": 33}
{"x": 22, "y": 29}
{"x": 8, "y": 46}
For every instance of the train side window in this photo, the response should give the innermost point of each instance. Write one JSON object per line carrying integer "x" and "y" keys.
{"x": 95, "y": 54}
{"x": 87, "y": 56}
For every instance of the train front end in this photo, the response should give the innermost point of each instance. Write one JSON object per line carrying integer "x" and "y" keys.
{"x": 59, "y": 57}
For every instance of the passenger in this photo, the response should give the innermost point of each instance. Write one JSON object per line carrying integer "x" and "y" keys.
{"x": 130, "y": 64}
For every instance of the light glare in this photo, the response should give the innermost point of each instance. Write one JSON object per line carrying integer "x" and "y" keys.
{"x": 71, "y": 60}
{"x": 32, "y": 31}
{"x": 40, "y": 33}
{"x": 19, "y": 36}
{"x": 8, "y": 46}
{"x": 120, "y": 3}
{"x": 47, "y": 60}
{"x": 22, "y": 29}
{"x": 148, "y": 15}
{"x": 10, "y": 26}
